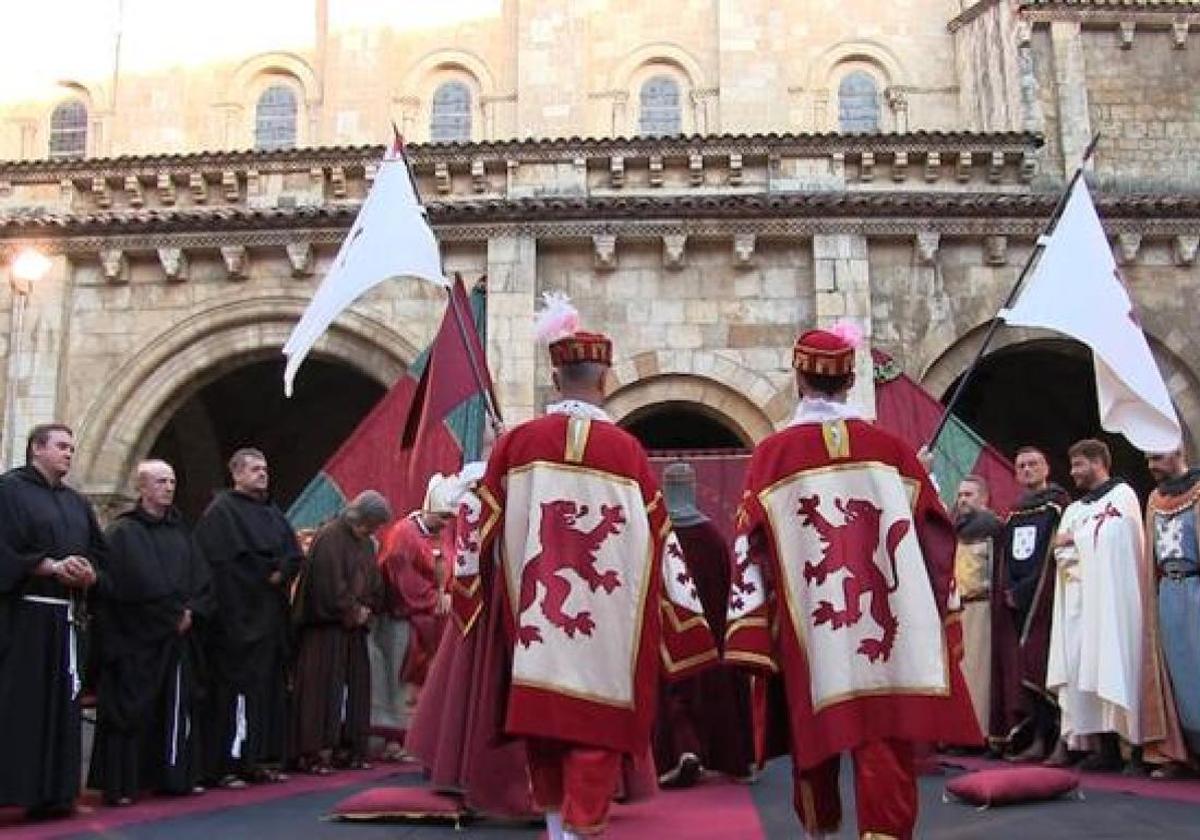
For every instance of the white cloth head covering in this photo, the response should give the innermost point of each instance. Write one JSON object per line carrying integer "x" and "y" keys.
{"x": 444, "y": 492}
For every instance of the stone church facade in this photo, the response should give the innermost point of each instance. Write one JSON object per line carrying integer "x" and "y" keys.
{"x": 703, "y": 184}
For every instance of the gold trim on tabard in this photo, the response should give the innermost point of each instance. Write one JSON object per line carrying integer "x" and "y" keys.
{"x": 800, "y": 626}
{"x": 654, "y": 502}
{"x": 467, "y": 590}
{"x": 675, "y": 667}
{"x": 464, "y": 627}
{"x": 837, "y": 438}
{"x": 694, "y": 621}
{"x": 809, "y": 806}
{"x": 875, "y": 835}
{"x": 752, "y": 659}
{"x": 744, "y": 624}
{"x": 576, "y": 468}
{"x": 577, "y": 695}
{"x": 578, "y": 429}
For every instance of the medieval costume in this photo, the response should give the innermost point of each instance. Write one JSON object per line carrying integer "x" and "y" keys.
{"x": 148, "y": 724}
{"x": 1098, "y": 652}
{"x": 843, "y": 584}
{"x": 703, "y": 721}
{"x": 247, "y": 540}
{"x": 337, "y": 593}
{"x": 39, "y": 662}
{"x": 977, "y": 532}
{"x": 1172, "y": 521}
{"x": 1022, "y": 606}
{"x": 570, "y": 536}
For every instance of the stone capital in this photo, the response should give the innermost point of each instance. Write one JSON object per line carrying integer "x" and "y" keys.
{"x": 927, "y": 243}
{"x": 1128, "y": 246}
{"x": 300, "y": 255}
{"x": 236, "y": 264}
{"x": 604, "y": 246}
{"x": 743, "y": 250}
{"x": 674, "y": 250}
{"x": 1184, "y": 249}
{"x": 115, "y": 265}
{"x": 174, "y": 262}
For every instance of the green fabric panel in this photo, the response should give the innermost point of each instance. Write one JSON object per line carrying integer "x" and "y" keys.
{"x": 955, "y": 454}
{"x": 467, "y": 421}
{"x": 321, "y": 500}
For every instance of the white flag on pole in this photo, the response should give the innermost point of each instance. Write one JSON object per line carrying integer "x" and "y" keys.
{"x": 390, "y": 238}
{"x": 1077, "y": 290}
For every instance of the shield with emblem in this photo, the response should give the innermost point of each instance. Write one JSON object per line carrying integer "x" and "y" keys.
{"x": 1024, "y": 541}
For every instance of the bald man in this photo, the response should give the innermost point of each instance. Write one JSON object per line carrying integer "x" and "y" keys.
{"x": 154, "y": 589}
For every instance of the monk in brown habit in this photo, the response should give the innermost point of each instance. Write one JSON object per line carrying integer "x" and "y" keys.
{"x": 339, "y": 591}
{"x": 704, "y": 722}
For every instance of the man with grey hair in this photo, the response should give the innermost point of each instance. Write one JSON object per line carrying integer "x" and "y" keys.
{"x": 254, "y": 556}
{"x": 155, "y": 588}
{"x": 339, "y": 591}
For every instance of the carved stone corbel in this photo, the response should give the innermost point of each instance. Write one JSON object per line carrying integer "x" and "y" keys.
{"x": 174, "y": 262}
{"x": 616, "y": 172}
{"x": 1125, "y": 30}
{"x": 995, "y": 250}
{"x": 337, "y": 180}
{"x": 165, "y": 185}
{"x": 253, "y": 183}
{"x": 300, "y": 255}
{"x": 656, "y": 170}
{"x": 926, "y": 244}
{"x": 743, "y": 250}
{"x": 229, "y": 185}
{"x": 604, "y": 247}
{"x": 962, "y": 170}
{"x": 735, "y": 169}
{"x": 133, "y": 189}
{"x": 100, "y": 192}
{"x": 1028, "y": 167}
{"x": 1184, "y": 248}
{"x": 236, "y": 264}
{"x": 198, "y": 187}
{"x": 900, "y": 167}
{"x": 441, "y": 177}
{"x": 695, "y": 169}
{"x": 1128, "y": 245}
{"x": 674, "y": 250}
{"x": 115, "y": 265}
{"x": 866, "y": 169}
{"x": 933, "y": 166}
{"x": 479, "y": 182}
{"x": 996, "y": 168}
{"x": 1179, "y": 34}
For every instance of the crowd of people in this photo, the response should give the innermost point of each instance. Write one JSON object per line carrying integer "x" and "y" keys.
{"x": 552, "y": 630}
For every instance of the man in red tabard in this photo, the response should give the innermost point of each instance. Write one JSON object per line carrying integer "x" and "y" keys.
{"x": 703, "y": 722}
{"x": 843, "y": 585}
{"x": 571, "y": 532}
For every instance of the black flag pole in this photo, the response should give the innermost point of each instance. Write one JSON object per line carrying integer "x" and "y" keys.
{"x": 1030, "y": 263}
{"x": 484, "y": 382}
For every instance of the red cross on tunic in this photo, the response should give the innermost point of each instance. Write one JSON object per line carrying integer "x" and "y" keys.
{"x": 1110, "y": 512}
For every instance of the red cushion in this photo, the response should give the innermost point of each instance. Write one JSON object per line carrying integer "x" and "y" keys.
{"x": 1010, "y": 785}
{"x": 400, "y": 803}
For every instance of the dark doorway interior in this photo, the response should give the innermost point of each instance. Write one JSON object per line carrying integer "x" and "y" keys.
{"x": 682, "y": 425}
{"x": 1043, "y": 393}
{"x": 247, "y": 408}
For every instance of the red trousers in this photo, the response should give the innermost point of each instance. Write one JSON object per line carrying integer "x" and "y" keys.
{"x": 577, "y": 781}
{"x": 885, "y": 791}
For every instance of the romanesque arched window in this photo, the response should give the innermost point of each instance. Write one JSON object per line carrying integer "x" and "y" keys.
{"x": 68, "y": 130}
{"x": 858, "y": 103}
{"x": 275, "y": 118}
{"x": 659, "y": 112}
{"x": 450, "y": 114}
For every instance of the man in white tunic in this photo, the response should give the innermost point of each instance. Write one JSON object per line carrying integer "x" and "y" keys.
{"x": 1096, "y": 638}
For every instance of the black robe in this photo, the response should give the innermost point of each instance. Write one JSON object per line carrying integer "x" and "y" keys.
{"x": 246, "y": 540}
{"x": 39, "y": 665}
{"x": 149, "y": 679}
{"x": 1021, "y": 633}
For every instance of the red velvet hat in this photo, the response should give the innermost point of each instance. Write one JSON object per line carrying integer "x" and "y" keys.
{"x": 581, "y": 347}
{"x": 823, "y": 353}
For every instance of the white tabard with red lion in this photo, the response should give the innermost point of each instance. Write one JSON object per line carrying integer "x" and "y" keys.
{"x": 843, "y": 584}
{"x": 571, "y": 526}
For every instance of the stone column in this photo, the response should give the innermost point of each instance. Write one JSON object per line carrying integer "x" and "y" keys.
{"x": 1070, "y": 88}
{"x": 512, "y": 353}
{"x": 36, "y": 343}
{"x": 843, "y": 292}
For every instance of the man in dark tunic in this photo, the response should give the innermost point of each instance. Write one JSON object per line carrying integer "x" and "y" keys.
{"x": 50, "y": 549}
{"x": 703, "y": 721}
{"x": 252, "y": 551}
{"x": 1022, "y": 607}
{"x": 155, "y": 587}
{"x": 338, "y": 594}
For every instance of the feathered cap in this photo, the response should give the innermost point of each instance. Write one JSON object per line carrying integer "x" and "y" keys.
{"x": 444, "y": 492}
{"x": 827, "y": 352}
{"x": 557, "y": 325}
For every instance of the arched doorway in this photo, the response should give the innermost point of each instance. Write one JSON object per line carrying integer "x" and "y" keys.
{"x": 1043, "y": 393}
{"x": 246, "y": 407}
{"x": 681, "y": 425}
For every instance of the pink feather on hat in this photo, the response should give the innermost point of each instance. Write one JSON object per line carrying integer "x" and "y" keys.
{"x": 558, "y": 318}
{"x": 849, "y": 332}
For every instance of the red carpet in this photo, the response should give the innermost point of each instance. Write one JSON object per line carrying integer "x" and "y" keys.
{"x": 715, "y": 810}
{"x": 1177, "y": 791}
{"x": 92, "y": 816}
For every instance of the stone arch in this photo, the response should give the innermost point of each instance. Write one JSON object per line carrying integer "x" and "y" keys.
{"x": 661, "y": 53}
{"x": 748, "y": 400}
{"x": 255, "y": 75}
{"x": 844, "y": 59}
{"x": 1182, "y": 381}
{"x": 428, "y": 73}
{"x": 119, "y": 427}
{"x": 92, "y": 97}
{"x": 643, "y": 64}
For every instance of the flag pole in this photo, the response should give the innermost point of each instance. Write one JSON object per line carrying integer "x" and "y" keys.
{"x": 485, "y": 384}
{"x": 1030, "y": 263}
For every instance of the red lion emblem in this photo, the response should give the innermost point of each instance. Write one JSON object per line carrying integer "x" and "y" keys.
{"x": 851, "y": 547}
{"x": 566, "y": 547}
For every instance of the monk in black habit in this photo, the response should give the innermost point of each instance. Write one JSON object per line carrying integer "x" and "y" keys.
{"x": 154, "y": 589}
{"x": 253, "y": 554}
{"x": 338, "y": 593}
{"x": 50, "y": 550}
